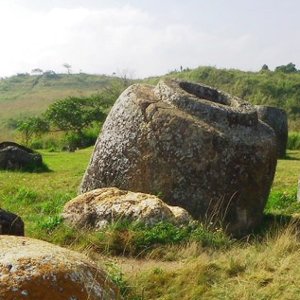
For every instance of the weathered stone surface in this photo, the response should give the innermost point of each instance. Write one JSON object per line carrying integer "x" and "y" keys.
{"x": 32, "y": 269}
{"x": 10, "y": 223}
{"x": 277, "y": 119}
{"x": 15, "y": 157}
{"x": 98, "y": 208}
{"x": 198, "y": 147}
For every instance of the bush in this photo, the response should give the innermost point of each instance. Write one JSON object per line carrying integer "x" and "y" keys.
{"x": 36, "y": 144}
{"x": 49, "y": 142}
{"x": 294, "y": 141}
{"x": 73, "y": 140}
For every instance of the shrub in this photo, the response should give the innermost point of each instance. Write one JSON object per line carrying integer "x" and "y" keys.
{"x": 294, "y": 141}
{"x": 73, "y": 140}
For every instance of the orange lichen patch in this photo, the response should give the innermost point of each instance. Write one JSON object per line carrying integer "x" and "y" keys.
{"x": 31, "y": 269}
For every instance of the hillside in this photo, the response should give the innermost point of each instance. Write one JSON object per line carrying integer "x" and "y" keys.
{"x": 23, "y": 95}
{"x": 26, "y": 95}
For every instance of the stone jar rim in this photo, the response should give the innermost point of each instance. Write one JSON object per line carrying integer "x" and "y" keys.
{"x": 205, "y": 102}
{"x": 270, "y": 108}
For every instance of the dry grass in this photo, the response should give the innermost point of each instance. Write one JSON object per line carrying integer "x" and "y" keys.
{"x": 260, "y": 270}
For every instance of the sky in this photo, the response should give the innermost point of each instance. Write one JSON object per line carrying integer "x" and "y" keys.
{"x": 146, "y": 38}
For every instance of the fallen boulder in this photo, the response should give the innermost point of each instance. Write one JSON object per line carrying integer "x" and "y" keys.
{"x": 98, "y": 208}
{"x": 277, "y": 119}
{"x": 17, "y": 157}
{"x": 11, "y": 224}
{"x": 198, "y": 147}
{"x": 33, "y": 269}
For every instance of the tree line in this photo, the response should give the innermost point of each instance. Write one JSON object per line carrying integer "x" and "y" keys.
{"x": 70, "y": 116}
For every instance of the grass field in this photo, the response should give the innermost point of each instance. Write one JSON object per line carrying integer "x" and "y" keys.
{"x": 166, "y": 262}
{"x": 22, "y": 96}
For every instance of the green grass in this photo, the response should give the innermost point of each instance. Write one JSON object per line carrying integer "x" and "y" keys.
{"x": 288, "y": 172}
{"x": 39, "y": 197}
{"x": 175, "y": 262}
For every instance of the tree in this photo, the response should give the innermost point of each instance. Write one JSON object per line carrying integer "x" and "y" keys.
{"x": 50, "y": 74}
{"x": 37, "y": 71}
{"x": 265, "y": 68}
{"x": 289, "y": 68}
{"x": 74, "y": 114}
{"x": 68, "y": 67}
{"x": 30, "y": 127}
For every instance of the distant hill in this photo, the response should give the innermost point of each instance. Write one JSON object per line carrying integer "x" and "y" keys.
{"x": 23, "y": 95}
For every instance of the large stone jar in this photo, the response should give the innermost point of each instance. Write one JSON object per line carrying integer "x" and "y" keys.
{"x": 277, "y": 119}
{"x": 194, "y": 146}
{"x": 17, "y": 157}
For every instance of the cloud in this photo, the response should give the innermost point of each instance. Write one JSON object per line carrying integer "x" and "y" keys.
{"x": 111, "y": 39}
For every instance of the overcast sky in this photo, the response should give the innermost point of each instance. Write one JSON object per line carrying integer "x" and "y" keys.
{"x": 147, "y": 37}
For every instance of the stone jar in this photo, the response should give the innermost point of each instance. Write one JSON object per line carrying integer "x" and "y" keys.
{"x": 11, "y": 224}
{"x": 36, "y": 270}
{"x": 194, "y": 146}
{"x": 17, "y": 157}
{"x": 277, "y": 119}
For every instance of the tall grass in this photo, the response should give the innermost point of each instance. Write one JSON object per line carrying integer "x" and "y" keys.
{"x": 260, "y": 270}
{"x": 294, "y": 141}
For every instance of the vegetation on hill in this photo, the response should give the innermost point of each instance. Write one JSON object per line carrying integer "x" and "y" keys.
{"x": 25, "y": 95}
{"x": 73, "y": 116}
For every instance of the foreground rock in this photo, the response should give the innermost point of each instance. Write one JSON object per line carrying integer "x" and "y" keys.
{"x": 32, "y": 269}
{"x": 277, "y": 119}
{"x": 200, "y": 148}
{"x": 17, "y": 157}
{"x": 98, "y": 208}
{"x": 11, "y": 224}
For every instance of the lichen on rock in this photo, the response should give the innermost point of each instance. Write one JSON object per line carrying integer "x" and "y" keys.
{"x": 201, "y": 148}
{"x": 98, "y": 208}
{"x": 33, "y": 269}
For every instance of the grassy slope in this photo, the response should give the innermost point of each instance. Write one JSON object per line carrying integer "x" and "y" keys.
{"x": 265, "y": 269}
{"x": 31, "y": 95}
